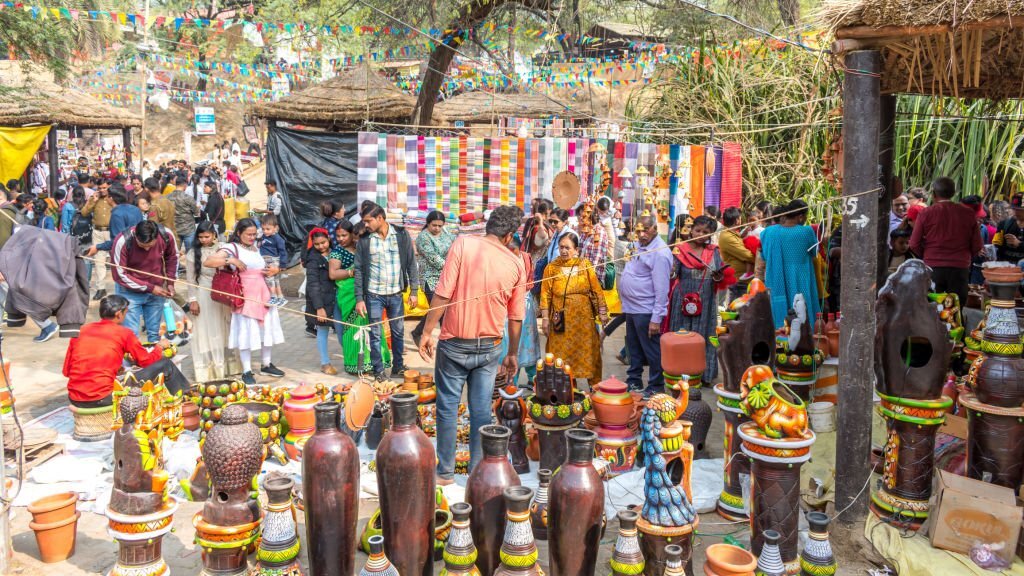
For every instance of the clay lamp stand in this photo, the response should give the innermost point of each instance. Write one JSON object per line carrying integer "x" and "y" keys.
{"x": 298, "y": 412}
{"x": 908, "y": 458}
{"x": 995, "y": 442}
{"x": 616, "y": 413}
{"x": 139, "y": 540}
{"x": 555, "y": 407}
{"x": 731, "y": 505}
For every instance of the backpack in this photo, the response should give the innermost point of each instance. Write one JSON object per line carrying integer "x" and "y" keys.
{"x": 81, "y": 228}
{"x": 242, "y": 189}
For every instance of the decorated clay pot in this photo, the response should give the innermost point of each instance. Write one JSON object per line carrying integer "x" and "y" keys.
{"x": 378, "y": 564}
{"x": 539, "y": 508}
{"x": 627, "y": 560}
{"x": 728, "y": 560}
{"x": 683, "y": 352}
{"x": 617, "y": 445}
{"x": 1006, "y": 273}
{"x": 460, "y": 551}
{"x": 518, "y": 549}
{"x": 612, "y": 403}
{"x": 298, "y": 408}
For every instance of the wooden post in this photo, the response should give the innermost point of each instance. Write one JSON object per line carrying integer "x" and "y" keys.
{"x": 886, "y": 152}
{"x": 53, "y": 182}
{"x": 126, "y": 142}
{"x": 861, "y": 103}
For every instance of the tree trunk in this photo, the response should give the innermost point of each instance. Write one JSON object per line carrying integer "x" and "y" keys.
{"x": 789, "y": 11}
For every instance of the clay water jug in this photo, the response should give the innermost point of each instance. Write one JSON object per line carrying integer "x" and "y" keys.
{"x": 405, "y": 476}
{"x": 485, "y": 491}
{"x": 330, "y": 490}
{"x": 576, "y": 509}
{"x": 683, "y": 353}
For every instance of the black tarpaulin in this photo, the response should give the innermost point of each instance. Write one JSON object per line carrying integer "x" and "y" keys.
{"x": 310, "y": 167}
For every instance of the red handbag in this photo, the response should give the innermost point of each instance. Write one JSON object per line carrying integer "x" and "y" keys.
{"x": 227, "y": 287}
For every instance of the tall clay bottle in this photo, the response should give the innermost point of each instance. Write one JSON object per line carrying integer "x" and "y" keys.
{"x": 518, "y": 549}
{"x": 485, "y": 493}
{"x": 405, "y": 477}
{"x": 330, "y": 487}
{"x": 576, "y": 509}
{"x": 539, "y": 508}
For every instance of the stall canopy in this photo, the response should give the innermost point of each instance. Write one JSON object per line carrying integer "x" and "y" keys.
{"x": 349, "y": 99}
{"x": 476, "y": 107}
{"x": 42, "y": 102}
{"x": 310, "y": 167}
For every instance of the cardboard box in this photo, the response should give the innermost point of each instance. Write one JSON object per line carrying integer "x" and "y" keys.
{"x": 966, "y": 511}
{"x": 955, "y": 426}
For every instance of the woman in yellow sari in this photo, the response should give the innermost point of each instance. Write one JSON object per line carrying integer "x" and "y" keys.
{"x": 570, "y": 300}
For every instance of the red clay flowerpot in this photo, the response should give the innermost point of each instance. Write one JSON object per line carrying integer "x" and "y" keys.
{"x": 56, "y": 540}
{"x": 728, "y": 560}
{"x": 53, "y": 508}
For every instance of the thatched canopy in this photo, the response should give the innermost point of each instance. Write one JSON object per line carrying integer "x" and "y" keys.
{"x": 972, "y": 49}
{"x": 43, "y": 102}
{"x": 353, "y": 96}
{"x": 483, "y": 106}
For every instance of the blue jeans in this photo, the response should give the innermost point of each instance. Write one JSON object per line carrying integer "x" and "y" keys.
{"x": 323, "y": 335}
{"x": 142, "y": 306}
{"x": 375, "y": 306}
{"x": 461, "y": 362}
{"x": 339, "y": 329}
{"x": 186, "y": 242}
{"x": 643, "y": 348}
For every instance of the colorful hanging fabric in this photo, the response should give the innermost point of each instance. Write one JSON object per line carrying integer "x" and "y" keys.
{"x": 464, "y": 172}
{"x": 401, "y": 174}
{"x": 366, "y": 162}
{"x": 429, "y": 198}
{"x": 696, "y": 180}
{"x": 412, "y": 172}
{"x": 505, "y": 148}
{"x": 392, "y": 161}
{"x": 732, "y": 175}
{"x": 445, "y": 154}
{"x": 533, "y": 177}
{"x": 382, "y": 172}
{"x": 521, "y": 172}
{"x": 713, "y": 176}
{"x": 675, "y": 155}
{"x": 421, "y": 172}
{"x": 480, "y": 167}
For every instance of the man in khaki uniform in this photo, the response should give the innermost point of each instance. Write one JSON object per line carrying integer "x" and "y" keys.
{"x": 99, "y": 206}
{"x": 163, "y": 207}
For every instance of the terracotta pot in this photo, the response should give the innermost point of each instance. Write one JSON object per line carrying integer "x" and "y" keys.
{"x": 1002, "y": 274}
{"x": 821, "y": 343}
{"x": 359, "y": 404}
{"x": 576, "y": 508}
{"x": 683, "y": 352}
{"x": 728, "y": 560}
{"x": 833, "y": 343}
{"x": 298, "y": 409}
{"x": 190, "y": 415}
{"x": 53, "y": 508}
{"x": 56, "y": 540}
{"x": 485, "y": 491}
{"x": 410, "y": 381}
{"x": 613, "y": 405}
{"x": 427, "y": 395}
{"x": 426, "y": 381}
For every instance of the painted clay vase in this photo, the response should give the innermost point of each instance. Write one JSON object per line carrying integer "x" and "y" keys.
{"x": 459, "y": 551}
{"x": 539, "y": 507}
{"x": 769, "y": 562}
{"x": 518, "y": 549}
{"x": 674, "y": 564}
{"x": 683, "y": 352}
{"x": 330, "y": 489}
{"x": 576, "y": 509}
{"x": 278, "y": 552}
{"x": 485, "y": 491}
{"x": 995, "y": 442}
{"x": 617, "y": 445}
{"x": 405, "y": 477}
{"x": 230, "y": 520}
{"x": 728, "y": 560}
{"x": 997, "y": 376}
{"x": 612, "y": 403}
{"x": 378, "y": 564}
{"x": 510, "y": 409}
{"x": 298, "y": 412}
{"x": 627, "y": 560}
{"x": 817, "y": 558}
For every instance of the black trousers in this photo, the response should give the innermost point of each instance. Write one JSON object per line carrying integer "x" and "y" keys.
{"x": 953, "y": 280}
{"x": 174, "y": 380}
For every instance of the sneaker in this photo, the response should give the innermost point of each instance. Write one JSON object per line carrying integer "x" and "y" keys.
{"x": 99, "y": 295}
{"x": 329, "y": 369}
{"x": 380, "y": 377}
{"x": 622, "y": 359}
{"x": 47, "y": 333}
{"x": 271, "y": 370}
{"x": 248, "y": 379}
{"x": 311, "y": 332}
{"x": 281, "y": 302}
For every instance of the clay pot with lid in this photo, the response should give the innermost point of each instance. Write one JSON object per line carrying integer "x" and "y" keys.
{"x": 485, "y": 491}
{"x": 683, "y": 353}
{"x": 612, "y": 403}
{"x": 729, "y": 560}
{"x": 298, "y": 408}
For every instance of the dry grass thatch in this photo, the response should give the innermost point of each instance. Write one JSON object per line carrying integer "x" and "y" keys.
{"x": 485, "y": 106}
{"x": 353, "y": 96}
{"x": 43, "y": 102}
{"x": 877, "y": 13}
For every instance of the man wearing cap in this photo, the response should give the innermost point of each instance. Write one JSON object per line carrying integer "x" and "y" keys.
{"x": 946, "y": 237}
{"x": 1009, "y": 238}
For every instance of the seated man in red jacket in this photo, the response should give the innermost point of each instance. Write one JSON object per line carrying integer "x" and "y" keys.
{"x": 96, "y": 356}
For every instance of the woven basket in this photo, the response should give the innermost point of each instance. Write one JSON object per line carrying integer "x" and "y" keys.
{"x": 93, "y": 424}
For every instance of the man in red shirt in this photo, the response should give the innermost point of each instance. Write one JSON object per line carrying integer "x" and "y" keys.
{"x": 483, "y": 284}
{"x": 96, "y": 356}
{"x": 946, "y": 237}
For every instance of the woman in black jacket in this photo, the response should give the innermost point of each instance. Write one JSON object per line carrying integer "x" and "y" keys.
{"x": 321, "y": 293}
{"x": 214, "y": 209}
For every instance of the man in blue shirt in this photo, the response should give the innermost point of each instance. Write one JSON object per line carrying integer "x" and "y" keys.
{"x": 122, "y": 217}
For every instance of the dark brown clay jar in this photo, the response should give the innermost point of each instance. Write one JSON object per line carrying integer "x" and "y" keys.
{"x": 575, "y": 509}
{"x": 485, "y": 491}
{"x": 330, "y": 490}
{"x": 539, "y": 508}
{"x": 405, "y": 477}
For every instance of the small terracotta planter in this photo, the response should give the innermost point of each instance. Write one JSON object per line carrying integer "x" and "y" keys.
{"x": 728, "y": 560}
{"x": 1003, "y": 274}
{"x": 53, "y": 508}
{"x": 190, "y": 415}
{"x": 56, "y": 540}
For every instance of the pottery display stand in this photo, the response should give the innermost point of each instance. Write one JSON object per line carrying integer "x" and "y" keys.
{"x": 554, "y": 407}
{"x": 800, "y": 381}
{"x": 775, "y": 489}
{"x": 731, "y": 505}
{"x": 139, "y": 540}
{"x": 908, "y": 459}
{"x": 798, "y": 357}
{"x": 995, "y": 442}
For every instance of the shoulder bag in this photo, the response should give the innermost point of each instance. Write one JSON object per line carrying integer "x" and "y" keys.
{"x": 558, "y": 316}
{"x": 227, "y": 286}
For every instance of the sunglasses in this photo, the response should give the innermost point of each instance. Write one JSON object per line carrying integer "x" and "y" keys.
{"x": 554, "y": 222}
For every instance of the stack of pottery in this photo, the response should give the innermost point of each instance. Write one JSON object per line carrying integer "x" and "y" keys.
{"x": 743, "y": 341}
{"x": 278, "y": 552}
{"x": 139, "y": 514}
{"x": 778, "y": 442}
{"x": 298, "y": 413}
{"x": 411, "y": 381}
{"x": 798, "y": 359}
{"x": 214, "y": 396}
{"x": 510, "y": 410}
{"x": 912, "y": 356}
{"x": 667, "y": 517}
{"x": 55, "y": 523}
{"x": 554, "y": 407}
{"x": 229, "y": 522}
{"x": 267, "y": 417}
{"x": 995, "y": 416}
{"x": 683, "y": 360}
{"x": 617, "y": 416}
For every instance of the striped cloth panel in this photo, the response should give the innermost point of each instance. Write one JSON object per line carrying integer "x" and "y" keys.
{"x": 632, "y": 152}
{"x": 505, "y": 146}
{"x": 382, "y": 172}
{"x": 392, "y": 141}
{"x": 366, "y": 165}
{"x": 421, "y": 172}
{"x": 486, "y": 191}
{"x": 713, "y": 177}
{"x": 412, "y": 156}
{"x": 463, "y": 191}
{"x": 520, "y": 187}
{"x": 429, "y": 200}
{"x": 547, "y": 164}
{"x": 480, "y": 153}
{"x": 696, "y": 180}
{"x": 617, "y": 162}
{"x": 732, "y": 175}
{"x": 494, "y": 187}
{"x": 401, "y": 174}
{"x": 675, "y": 154}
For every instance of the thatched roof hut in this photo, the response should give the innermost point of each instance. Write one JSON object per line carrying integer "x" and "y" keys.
{"x": 43, "y": 102}
{"x": 477, "y": 107}
{"x": 350, "y": 98}
{"x": 936, "y": 47}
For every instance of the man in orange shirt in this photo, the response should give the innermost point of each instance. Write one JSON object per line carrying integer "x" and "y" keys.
{"x": 482, "y": 284}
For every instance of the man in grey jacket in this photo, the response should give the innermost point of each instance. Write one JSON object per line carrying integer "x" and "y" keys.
{"x": 385, "y": 266}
